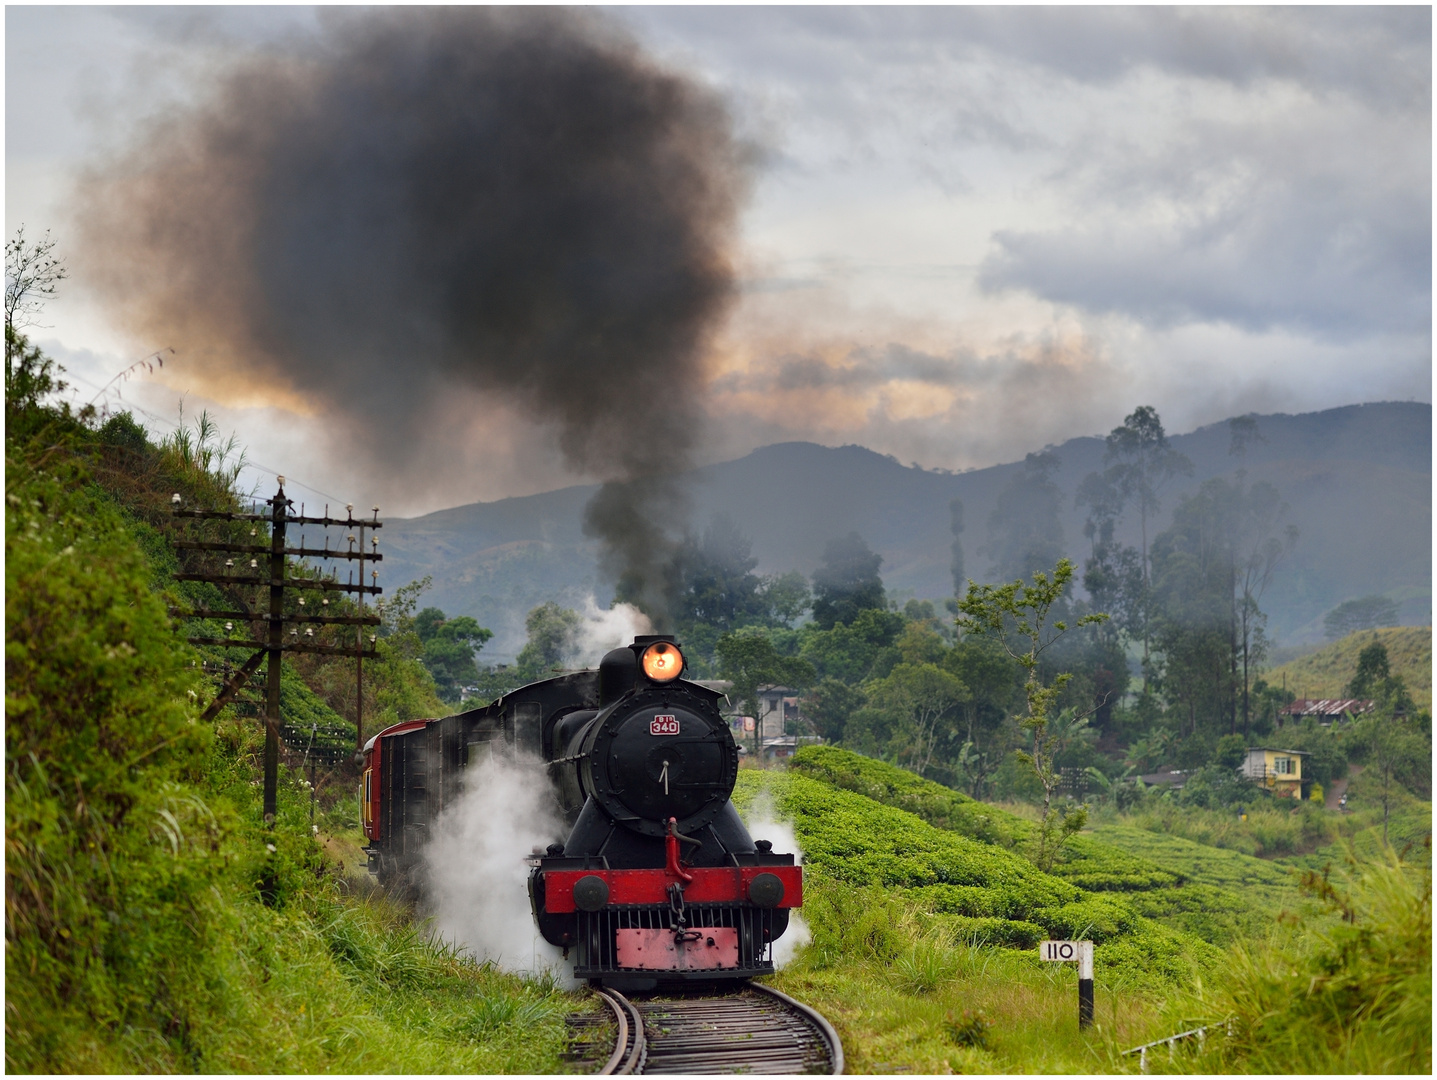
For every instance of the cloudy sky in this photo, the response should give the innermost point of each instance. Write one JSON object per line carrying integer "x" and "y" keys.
{"x": 967, "y": 232}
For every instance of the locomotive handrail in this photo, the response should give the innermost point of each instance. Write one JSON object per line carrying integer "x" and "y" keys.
{"x": 830, "y": 1036}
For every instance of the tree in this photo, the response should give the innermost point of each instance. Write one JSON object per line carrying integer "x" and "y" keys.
{"x": 992, "y": 679}
{"x": 1024, "y": 530}
{"x": 1364, "y": 613}
{"x": 862, "y": 649}
{"x": 1373, "y": 670}
{"x": 1243, "y": 433}
{"x": 1231, "y": 750}
{"x": 785, "y": 597}
{"x": 749, "y": 660}
{"x": 553, "y": 640}
{"x": 829, "y": 704}
{"x": 847, "y": 582}
{"x": 1113, "y": 574}
{"x": 449, "y": 648}
{"x": 1141, "y": 464}
{"x": 1210, "y": 570}
{"x": 924, "y": 699}
{"x": 1374, "y": 679}
{"x": 32, "y": 276}
{"x": 1016, "y": 615}
{"x": 718, "y": 587}
{"x": 960, "y": 580}
{"x": 428, "y": 622}
{"x": 1398, "y": 755}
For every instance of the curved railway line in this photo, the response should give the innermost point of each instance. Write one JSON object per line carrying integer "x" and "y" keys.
{"x": 752, "y": 1030}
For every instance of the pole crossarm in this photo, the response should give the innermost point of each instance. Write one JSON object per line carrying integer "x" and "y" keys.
{"x": 294, "y": 647}
{"x": 301, "y": 617}
{"x": 283, "y": 583}
{"x": 229, "y": 515}
{"x": 263, "y": 549}
{"x": 351, "y": 522}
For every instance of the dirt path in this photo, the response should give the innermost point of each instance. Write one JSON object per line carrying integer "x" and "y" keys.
{"x": 1339, "y": 787}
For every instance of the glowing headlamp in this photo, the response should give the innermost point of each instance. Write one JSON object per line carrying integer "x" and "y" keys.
{"x": 662, "y": 661}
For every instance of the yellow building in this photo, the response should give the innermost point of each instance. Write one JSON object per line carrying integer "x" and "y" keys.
{"x": 1280, "y": 771}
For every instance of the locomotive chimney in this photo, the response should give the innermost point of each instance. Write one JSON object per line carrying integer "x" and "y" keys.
{"x": 618, "y": 674}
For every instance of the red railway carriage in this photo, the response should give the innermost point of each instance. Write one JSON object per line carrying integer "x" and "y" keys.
{"x": 658, "y": 879}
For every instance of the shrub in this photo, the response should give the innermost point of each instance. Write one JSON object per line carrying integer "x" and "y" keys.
{"x": 968, "y": 1028}
{"x": 1355, "y": 998}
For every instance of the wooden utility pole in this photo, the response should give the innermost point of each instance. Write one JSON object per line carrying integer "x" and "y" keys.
{"x": 274, "y": 665}
{"x": 273, "y": 645}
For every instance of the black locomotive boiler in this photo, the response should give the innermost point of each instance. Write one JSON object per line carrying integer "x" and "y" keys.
{"x": 658, "y": 880}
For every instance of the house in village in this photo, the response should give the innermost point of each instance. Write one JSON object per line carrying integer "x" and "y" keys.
{"x": 777, "y": 709}
{"x": 1279, "y": 771}
{"x": 1324, "y": 710}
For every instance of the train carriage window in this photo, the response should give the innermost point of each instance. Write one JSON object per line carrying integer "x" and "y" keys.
{"x": 365, "y": 803}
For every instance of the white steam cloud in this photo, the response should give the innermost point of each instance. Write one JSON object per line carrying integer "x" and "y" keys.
{"x": 477, "y": 875}
{"x": 764, "y": 824}
{"x": 603, "y": 629}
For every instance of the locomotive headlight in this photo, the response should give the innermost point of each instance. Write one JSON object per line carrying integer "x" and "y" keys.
{"x": 663, "y": 662}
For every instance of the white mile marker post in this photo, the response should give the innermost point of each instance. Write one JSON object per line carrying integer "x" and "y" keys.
{"x": 1082, "y": 953}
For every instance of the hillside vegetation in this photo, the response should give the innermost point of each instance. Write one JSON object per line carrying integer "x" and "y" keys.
{"x": 919, "y": 953}
{"x": 1210, "y": 896}
{"x": 152, "y": 922}
{"x": 1326, "y": 673}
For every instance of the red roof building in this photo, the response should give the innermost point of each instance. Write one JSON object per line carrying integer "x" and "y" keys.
{"x": 1326, "y": 710}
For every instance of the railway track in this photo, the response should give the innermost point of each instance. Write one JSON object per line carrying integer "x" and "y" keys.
{"x": 752, "y": 1030}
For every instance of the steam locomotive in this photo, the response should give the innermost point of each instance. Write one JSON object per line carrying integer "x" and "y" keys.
{"x": 658, "y": 880}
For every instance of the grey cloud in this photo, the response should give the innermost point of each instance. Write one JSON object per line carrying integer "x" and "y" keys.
{"x": 1381, "y": 54}
{"x": 1261, "y": 233}
{"x": 868, "y": 368}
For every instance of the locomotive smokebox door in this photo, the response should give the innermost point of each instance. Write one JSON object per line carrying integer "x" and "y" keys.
{"x": 659, "y": 755}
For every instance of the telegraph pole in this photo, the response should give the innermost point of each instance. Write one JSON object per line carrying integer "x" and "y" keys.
{"x": 275, "y": 663}
{"x": 273, "y": 645}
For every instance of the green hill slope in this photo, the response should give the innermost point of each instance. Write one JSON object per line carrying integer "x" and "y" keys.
{"x": 1218, "y": 896}
{"x": 1326, "y": 673}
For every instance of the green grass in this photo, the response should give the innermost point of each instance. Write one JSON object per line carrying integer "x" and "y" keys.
{"x": 1352, "y": 995}
{"x": 1326, "y": 673}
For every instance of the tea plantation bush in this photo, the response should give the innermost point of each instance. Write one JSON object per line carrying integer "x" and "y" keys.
{"x": 880, "y": 851}
{"x": 1087, "y": 863}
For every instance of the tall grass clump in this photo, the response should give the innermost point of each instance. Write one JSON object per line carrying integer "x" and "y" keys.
{"x": 1355, "y": 998}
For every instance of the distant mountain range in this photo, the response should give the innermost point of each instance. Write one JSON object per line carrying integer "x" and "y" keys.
{"x": 1357, "y": 480}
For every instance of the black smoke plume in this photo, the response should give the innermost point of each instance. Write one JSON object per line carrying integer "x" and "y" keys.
{"x": 514, "y": 201}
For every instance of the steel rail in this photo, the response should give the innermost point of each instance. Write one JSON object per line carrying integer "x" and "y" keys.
{"x": 830, "y": 1036}
{"x": 739, "y": 1031}
{"x": 630, "y": 1045}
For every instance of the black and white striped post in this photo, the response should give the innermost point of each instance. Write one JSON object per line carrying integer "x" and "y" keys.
{"x": 1080, "y": 952}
